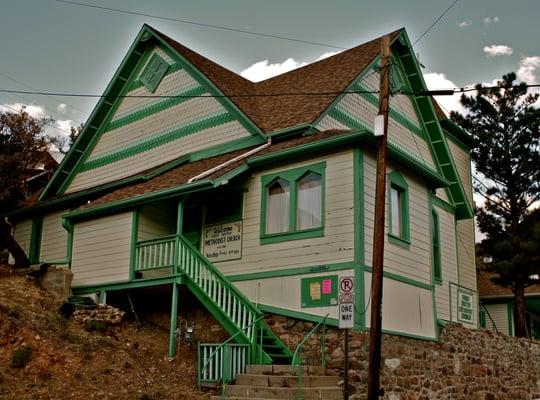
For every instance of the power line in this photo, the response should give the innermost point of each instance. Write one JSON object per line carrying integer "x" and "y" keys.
{"x": 442, "y": 92}
{"x": 184, "y": 21}
{"x": 435, "y": 22}
{"x": 46, "y": 123}
{"x": 33, "y": 88}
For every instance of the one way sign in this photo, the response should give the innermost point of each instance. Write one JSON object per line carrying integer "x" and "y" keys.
{"x": 346, "y": 302}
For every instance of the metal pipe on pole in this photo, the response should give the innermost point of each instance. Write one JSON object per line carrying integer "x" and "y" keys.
{"x": 374, "y": 369}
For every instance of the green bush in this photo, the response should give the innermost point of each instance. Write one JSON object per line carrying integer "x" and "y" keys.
{"x": 96, "y": 326}
{"x": 21, "y": 357}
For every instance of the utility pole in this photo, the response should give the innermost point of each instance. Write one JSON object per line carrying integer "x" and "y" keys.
{"x": 378, "y": 235}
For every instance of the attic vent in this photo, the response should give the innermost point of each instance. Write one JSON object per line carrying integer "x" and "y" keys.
{"x": 154, "y": 72}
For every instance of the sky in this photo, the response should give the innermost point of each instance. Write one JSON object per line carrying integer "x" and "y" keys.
{"x": 54, "y": 46}
{"x": 57, "y": 47}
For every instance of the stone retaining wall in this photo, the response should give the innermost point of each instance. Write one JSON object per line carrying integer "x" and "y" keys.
{"x": 463, "y": 365}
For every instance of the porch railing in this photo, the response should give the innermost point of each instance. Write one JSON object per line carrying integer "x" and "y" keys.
{"x": 221, "y": 363}
{"x": 156, "y": 253}
{"x": 175, "y": 251}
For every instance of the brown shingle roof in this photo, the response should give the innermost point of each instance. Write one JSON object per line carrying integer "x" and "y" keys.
{"x": 488, "y": 288}
{"x": 330, "y": 75}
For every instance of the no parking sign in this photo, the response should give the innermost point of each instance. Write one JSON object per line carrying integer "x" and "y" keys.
{"x": 346, "y": 302}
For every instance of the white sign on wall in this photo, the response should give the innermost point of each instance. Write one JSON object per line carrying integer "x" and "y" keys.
{"x": 346, "y": 302}
{"x": 222, "y": 242}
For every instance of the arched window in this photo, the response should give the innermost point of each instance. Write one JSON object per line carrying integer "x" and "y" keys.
{"x": 277, "y": 206}
{"x": 309, "y": 201}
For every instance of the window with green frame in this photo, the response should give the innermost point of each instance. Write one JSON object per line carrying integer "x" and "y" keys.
{"x": 436, "y": 246}
{"x": 398, "y": 213}
{"x": 35, "y": 241}
{"x": 154, "y": 72}
{"x": 482, "y": 318}
{"x": 292, "y": 204}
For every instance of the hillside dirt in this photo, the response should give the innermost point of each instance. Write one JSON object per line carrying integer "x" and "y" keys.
{"x": 67, "y": 362}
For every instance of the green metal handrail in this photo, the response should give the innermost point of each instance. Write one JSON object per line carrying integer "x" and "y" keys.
{"x": 223, "y": 358}
{"x": 299, "y": 349}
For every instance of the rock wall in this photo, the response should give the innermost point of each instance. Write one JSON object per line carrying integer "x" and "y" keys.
{"x": 463, "y": 365}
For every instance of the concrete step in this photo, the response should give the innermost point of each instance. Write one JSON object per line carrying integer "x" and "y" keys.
{"x": 285, "y": 370}
{"x": 286, "y": 380}
{"x": 308, "y": 393}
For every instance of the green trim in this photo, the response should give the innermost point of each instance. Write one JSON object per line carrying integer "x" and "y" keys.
{"x": 401, "y": 119}
{"x": 433, "y": 129}
{"x": 297, "y": 314}
{"x": 251, "y": 127}
{"x": 162, "y": 105}
{"x": 460, "y": 135}
{"x": 133, "y": 243}
{"x": 359, "y": 238}
{"x": 136, "y": 200}
{"x": 323, "y": 144}
{"x": 174, "y": 315}
{"x": 291, "y": 131}
{"x": 397, "y": 182}
{"x": 153, "y": 72}
{"x": 68, "y": 226}
{"x": 325, "y": 299}
{"x": 147, "y": 144}
{"x": 102, "y": 111}
{"x": 510, "y": 313}
{"x": 122, "y": 285}
{"x": 401, "y": 278}
{"x": 482, "y": 318}
{"x": 36, "y": 233}
{"x": 413, "y": 336}
{"x": 137, "y": 84}
{"x": 438, "y": 202}
{"x": 314, "y": 269}
{"x": 227, "y": 147}
{"x": 436, "y": 247}
{"x": 54, "y": 262}
{"x": 292, "y": 176}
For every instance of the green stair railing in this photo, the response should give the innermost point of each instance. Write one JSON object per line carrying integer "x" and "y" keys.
{"x": 297, "y": 356}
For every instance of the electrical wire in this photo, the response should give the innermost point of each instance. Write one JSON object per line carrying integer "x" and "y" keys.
{"x": 435, "y": 22}
{"x": 205, "y": 25}
{"x": 443, "y": 92}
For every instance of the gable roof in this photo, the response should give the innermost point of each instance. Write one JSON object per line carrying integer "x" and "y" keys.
{"x": 487, "y": 289}
{"x": 330, "y": 75}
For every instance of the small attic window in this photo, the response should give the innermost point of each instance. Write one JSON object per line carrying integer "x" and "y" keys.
{"x": 154, "y": 72}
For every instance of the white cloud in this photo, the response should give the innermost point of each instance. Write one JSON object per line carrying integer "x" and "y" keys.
{"x": 465, "y": 23}
{"x": 54, "y": 129}
{"x": 490, "y": 20}
{"x": 61, "y": 108}
{"x": 528, "y": 68}
{"x": 435, "y": 80}
{"x": 263, "y": 69}
{"x": 498, "y": 50}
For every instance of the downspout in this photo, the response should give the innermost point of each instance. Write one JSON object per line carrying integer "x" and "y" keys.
{"x": 231, "y": 161}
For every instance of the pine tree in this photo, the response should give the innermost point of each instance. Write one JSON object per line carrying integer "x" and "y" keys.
{"x": 506, "y": 125}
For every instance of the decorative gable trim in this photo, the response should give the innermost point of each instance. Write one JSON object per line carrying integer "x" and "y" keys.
{"x": 154, "y": 72}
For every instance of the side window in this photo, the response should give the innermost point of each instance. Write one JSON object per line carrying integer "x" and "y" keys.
{"x": 153, "y": 72}
{"x": 35, "y": 241}
{"x": 436, "y": 246}
{"x": 398, "y": 210}
{"x": 293, "y": 204}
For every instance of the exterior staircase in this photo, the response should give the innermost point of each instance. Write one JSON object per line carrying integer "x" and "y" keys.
{"x": 236, "y": 313}
{"x": 280, "y": 382}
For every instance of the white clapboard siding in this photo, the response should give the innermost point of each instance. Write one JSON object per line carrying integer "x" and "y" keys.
{"x": 415, "y": 262}
{"x": 338, "y": 241}
{"x": 143, "y": 161}
{"x": 462, "y": 160}
{"x": 466, "y": 253}
{"x": 285, "y": 292}
{"x": 152, "y": 126}
{"x": 22, "y": 233}
{"x": 156, "y": 221}
{"x": 406, "y": 308}
{"x": 499, "y": 313}
{"x": 54, "y": 238}
{"x": 448, "y": 262}
{"x": 101, "y": 250}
